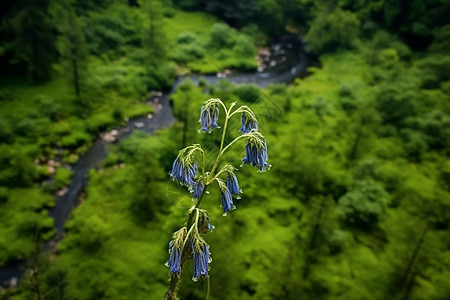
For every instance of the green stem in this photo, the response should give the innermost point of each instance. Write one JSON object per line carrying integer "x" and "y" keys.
{"x": 221, "y": 143}
{"x": 232, "y": 142}
{"x": 173, "y": 288}
{"x": 208, "y": 288}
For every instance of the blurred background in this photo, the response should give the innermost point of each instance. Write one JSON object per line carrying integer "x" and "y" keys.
{"x": 353, "y": 97}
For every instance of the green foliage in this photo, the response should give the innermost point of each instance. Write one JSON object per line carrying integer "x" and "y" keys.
{"x": 17, "y": 168}
{"x": 155, "y": 37}
{"x": 23, "y": 211}
{"x": 73, "y": 49}
{"x": 363, "y": 205}
{"x": 63, "y": 177}
{"x": 35, "y": 42}
{"x": 364, "y": 137}
{"x": 247, "y": 92}
{"x": 329, "y": 31}
{"x": 225, "y": 48}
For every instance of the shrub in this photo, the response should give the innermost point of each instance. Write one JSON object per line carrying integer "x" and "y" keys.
{"x": 187, "y": 38}
{"x": 331, "y": 31}
{"x": 247, "y": 92}
{"x": 244, "y": 46}
{"x": 363, "y": 205}
{"x": 222, "y": 36}
{"x": 63, "y": 177}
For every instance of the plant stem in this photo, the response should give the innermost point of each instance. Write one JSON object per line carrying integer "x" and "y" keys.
{"x": 208, "y": 288}
{"x": 221, "y": 142}
{"x": 171, "y": 294}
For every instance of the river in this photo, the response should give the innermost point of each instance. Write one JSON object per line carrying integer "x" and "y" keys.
{"x": 285, "y": 60}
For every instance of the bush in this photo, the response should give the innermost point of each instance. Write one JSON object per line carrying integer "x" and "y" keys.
{"x": 187, "y": 38}
{"x": 49, "y": 107}
{"x": 222, "y": 36}
{"x": 6, "y": 132}
{"x": 62, "y": 177}
{"x": 363, "y": 205}
{"x": 331, "y": 31}
{"x": 252, "y": 31}
{"x": 93, "y": 232}
{"x": 186, "y": 53}
{"x": 16, "y": 168}
{"x": 244, "y": 46}
{"x": 249, "y": 93}
{"x": 74, "y": 139}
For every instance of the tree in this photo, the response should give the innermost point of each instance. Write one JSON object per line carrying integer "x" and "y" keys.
{"x": 73, "y": 49}
{"x": 185, "y": 107}
{"x": 148, "y": 186}
{"x": 155, "y": 37}
{"x": 330, "y": 31}
{"x": 35, "y": 43}
{"x": 363, "y": 205}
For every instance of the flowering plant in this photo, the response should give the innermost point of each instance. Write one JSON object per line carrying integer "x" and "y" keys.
{"x": 188, "y": 242}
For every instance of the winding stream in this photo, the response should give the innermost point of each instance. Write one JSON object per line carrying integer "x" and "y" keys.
{"x": 285, "y": 61}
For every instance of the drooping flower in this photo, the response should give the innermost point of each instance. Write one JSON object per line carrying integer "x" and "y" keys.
{"x": 248, "y": 122}
{"x": 225, "y": 196}
{"x": 175, "y": 251}
{"x": 184, "y": 172}
{"x": 256, "y": 152}
{"x": 208, "y": 117}
{"x": 201, "y": 258}
{"x": 198, "y": 189}
{"x": 233, "y": 185}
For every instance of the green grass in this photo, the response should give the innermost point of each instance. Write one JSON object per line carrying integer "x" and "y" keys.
{"x": 197, "y": 22}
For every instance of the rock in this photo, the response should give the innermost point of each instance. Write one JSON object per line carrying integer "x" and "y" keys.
{"x": 157, "y": 107}
{"x": 149, "y": 116}
{"x": 13, "y": 282}
{"x": 227, "y": 72}
{"x": 156, "y": 100}
{"x": 114, "y": 132}
{"x": 108, "y": 137}
{"x": 51, "y": 170}
{"x": 122, "y": 165}
{"x": 126, "y": 119}
{"x": 37, "y": 161}
{"x": 51, "y": 163}
{"x": 138, "y": 124}
{"x": 264, "y": 51}
{"x": 62, "y": 192}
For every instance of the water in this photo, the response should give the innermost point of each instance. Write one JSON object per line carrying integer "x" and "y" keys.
{"x": 287, "y": 61}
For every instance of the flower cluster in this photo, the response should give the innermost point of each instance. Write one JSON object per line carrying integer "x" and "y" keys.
{"x": 248, "y": 121}
{"x": 233, "y": 185}
{"x": 175, "y": 251}
{"x": 190, "y": 244}
{"x": 182, "y": 241}
{"x": 201, "y": 257}
{"x": 198, "y": 189}
{"x": 256, "y": 152}
{"x": 225, "y": 196}
{"x": 209, "y": 115}
{"x": 184, "y": 173}
{"x": 184, "y": 168}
